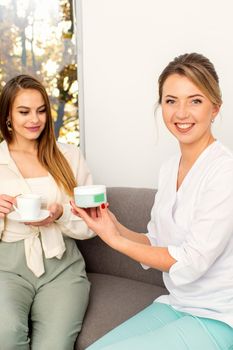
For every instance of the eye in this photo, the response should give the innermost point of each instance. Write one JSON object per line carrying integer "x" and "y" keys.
{"x": 196, "y": 101}
{"x": 23, "y": 112}
{"x": 42, "y": 111}
{"x": 170, "y": 101}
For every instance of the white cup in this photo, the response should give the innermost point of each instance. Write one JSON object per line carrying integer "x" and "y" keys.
{"x": 28, "y": 206}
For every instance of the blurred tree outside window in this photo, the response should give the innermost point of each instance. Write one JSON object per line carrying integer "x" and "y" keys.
{"x": 37, "y": 37}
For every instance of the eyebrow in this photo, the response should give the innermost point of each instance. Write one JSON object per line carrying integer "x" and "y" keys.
{"x": 191, "y": 96}
{"x": 25, "y": 107}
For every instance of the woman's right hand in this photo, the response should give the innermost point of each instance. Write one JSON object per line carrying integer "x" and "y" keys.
{"x": 101, "y": 221}
{"x": 6, "y": 203}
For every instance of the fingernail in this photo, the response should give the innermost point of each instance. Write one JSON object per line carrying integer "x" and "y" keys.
{"x": 103, "y": 206}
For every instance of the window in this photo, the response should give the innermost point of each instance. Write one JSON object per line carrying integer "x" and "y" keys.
{"x": 38, "y": 38}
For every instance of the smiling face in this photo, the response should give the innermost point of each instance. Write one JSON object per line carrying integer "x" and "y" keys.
{"x": 187, "y": 111}
{"x": 28, "y": 115}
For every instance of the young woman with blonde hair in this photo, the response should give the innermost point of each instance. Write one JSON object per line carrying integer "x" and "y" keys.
{"x": 42, "y": 273}
{"x": 190, "y": 235}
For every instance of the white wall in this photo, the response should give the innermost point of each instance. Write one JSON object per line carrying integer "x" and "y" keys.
{"x": 125, "y": 45}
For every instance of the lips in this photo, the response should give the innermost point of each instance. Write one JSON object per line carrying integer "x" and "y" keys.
{"x": 184, "y": 127}
{"x": 33, "y": 128}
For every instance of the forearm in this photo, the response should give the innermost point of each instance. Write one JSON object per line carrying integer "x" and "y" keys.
{"x": 131, "y": 235}
{"x": 155, "y": 257}
{"x": 125, "y": 241}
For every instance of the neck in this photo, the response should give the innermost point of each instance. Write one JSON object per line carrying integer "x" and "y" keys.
{"x": 26, "y": 146}
{"x": 190, "y": 152}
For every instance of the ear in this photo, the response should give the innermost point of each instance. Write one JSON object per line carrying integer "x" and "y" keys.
{"x": 216, "y": 109}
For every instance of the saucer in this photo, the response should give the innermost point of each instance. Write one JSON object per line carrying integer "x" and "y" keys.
{"x": 14, "y": 216}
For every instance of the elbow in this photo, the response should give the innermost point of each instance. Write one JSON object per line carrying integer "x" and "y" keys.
{"x": 185, "y": 271}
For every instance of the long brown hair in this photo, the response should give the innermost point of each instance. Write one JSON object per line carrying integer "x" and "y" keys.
{"x": 199, "y": 70}
{"x": 48, "y": 153}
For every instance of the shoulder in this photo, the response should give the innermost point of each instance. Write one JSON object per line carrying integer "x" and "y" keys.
{"x": 3, "y": 147}
{"x": 4, "y": 153}
{"x": 67, "y": 148}
{"x": 219, "y": 167}
{"x": 219, "y": 149}
{"x": 219, "y": 158}
{"x": 74, "y": 157}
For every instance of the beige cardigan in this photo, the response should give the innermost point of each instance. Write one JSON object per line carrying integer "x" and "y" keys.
{"x": 52, "y": 243}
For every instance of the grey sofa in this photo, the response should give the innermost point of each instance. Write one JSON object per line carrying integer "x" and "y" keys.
{"x": 120, "y": 287}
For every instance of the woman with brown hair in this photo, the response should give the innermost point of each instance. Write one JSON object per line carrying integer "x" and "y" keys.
{"x": 42, "y": 273}
{"x": 190, "y": 234}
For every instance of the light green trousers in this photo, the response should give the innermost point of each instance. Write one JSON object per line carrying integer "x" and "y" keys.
{"x": 43, "y": 313}
{"x": 161, "y": 327}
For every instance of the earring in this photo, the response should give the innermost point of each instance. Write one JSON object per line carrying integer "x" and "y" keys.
{"x": 212, "y": 121}
{"x": 8, "y": 125}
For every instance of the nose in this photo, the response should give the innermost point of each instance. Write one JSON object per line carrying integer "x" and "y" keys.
{"x": 34, "y": 117}
{"x": 182, "y": 111}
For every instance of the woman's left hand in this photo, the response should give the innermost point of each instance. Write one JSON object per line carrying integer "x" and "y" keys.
{"x": 56, "y": 211}
{"x": 100, "y": 221}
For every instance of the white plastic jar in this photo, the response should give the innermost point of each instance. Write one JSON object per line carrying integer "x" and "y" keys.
{"x": 90, "y": 196}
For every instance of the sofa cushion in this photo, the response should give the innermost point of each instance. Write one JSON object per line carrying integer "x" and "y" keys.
{"x": 100, "y": 258}
{"x": 112, "y": 301}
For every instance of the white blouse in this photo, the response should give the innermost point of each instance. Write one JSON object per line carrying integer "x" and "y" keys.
{"x": 196, "y": 224}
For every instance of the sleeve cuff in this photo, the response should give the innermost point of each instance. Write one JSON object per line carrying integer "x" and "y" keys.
{"x": 145, "y": 267}
{"x": 153, "y": 242}
{"x": 67, "y": 215}
{"x": 174, "y": 252}
{"x": 181, "y": 273}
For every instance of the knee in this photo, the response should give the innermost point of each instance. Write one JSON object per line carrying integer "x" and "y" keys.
{"x": 54, "y": 338}
{"x": 51, "y": 343}
{"x": 13, "y": 334}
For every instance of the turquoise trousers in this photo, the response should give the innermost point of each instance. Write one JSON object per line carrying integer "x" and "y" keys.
{"x": 161, "y": 327}
{"x": 44, "y": 313}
